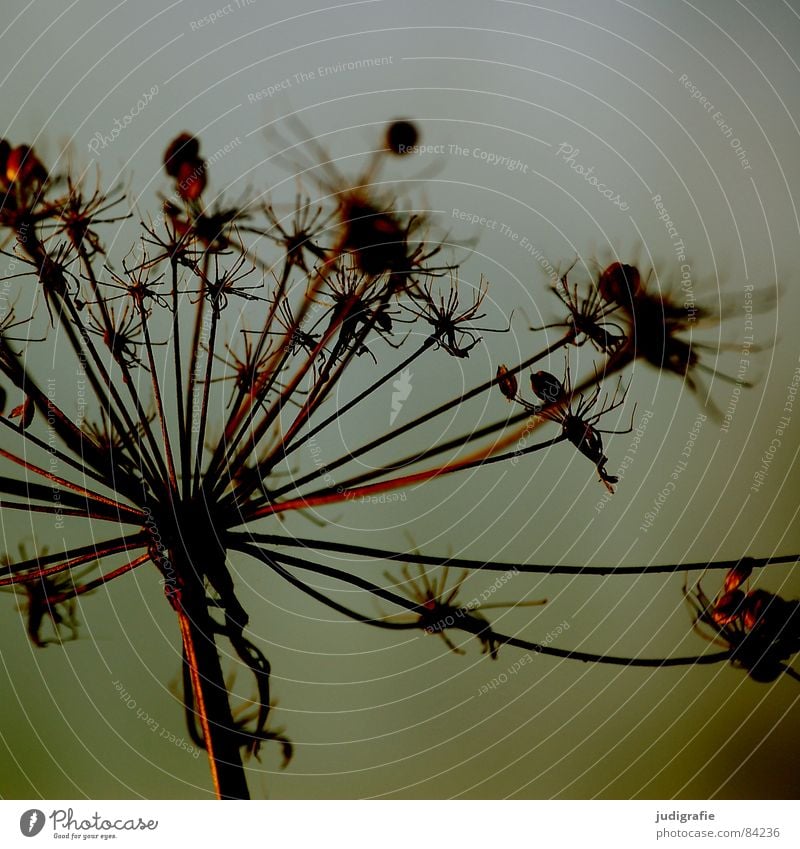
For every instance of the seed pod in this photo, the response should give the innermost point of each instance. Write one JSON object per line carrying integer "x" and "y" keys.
{"x": 620, "y": 283}
{"x": 191, "y": 179}
{"x": 5, "y": 150}
{"x": 401, "y": 137}
{"x": 737, "y": 576}
{"x": 547, "y": 387}
{"x": 183, "y": 148}
{"x": 755, "y": 608}
{"x": 728, "y": 608}
{"x": 22, "y": 166}
{"x": 507, "y": 383}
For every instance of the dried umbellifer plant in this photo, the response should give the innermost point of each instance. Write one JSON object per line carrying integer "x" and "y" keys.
{"x": 187, "y": 489}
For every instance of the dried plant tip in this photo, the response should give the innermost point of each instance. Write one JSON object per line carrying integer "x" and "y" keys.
{"x": 401, "y": 137}
{"x": 182, "y": 161}
{"x": 22, "y": 166}
{"x": 620, "y": 283}
{"x": 182, "y": 149}
{"x": 728, "y": 608}
{"x": 737, "y": 576}
{"x": 507, "y": 382}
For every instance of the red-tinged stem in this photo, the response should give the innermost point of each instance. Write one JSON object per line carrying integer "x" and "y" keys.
{"x": 432, "y": 452}
{"x": 87, "y": 493}
{"x": 77, "y": 557}
{"x": 27, "y": 507}
{"x": 427, "y": 417}
{"x": 103, "y": 579}
{"x": 40, "y": 492}
{"x": 210, "y": 695}
{"x": 345, "y": 493}
{"x": 53, "y": 451}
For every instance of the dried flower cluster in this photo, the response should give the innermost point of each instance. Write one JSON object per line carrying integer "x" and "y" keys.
{"x": 209, "y": 366}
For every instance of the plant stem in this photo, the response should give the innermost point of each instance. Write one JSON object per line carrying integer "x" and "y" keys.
{"x": 210, "y": 692}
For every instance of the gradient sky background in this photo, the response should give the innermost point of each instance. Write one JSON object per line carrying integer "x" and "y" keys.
{"x": 372, "y": 714}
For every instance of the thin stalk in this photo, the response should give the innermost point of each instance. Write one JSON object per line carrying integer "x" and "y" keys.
{"x": 52, "y": 450}
{"x": 212, "y": 341}
{"x": 333, "y": 495}
{"x": 193, "y": 353}
{"x": 77, "y": 557}
{"x": 87, "y": 493}
{"x": 359, "y": 398}
{"x": 173, "y": 480}
{"x": 101, "y": 581}
{"x": 176, "y": 358}
{"x": 425, "y": 418}
{"x": 476, "y": 626}
{"x": 40, "y": 492}
{"x": 498, "y": 566}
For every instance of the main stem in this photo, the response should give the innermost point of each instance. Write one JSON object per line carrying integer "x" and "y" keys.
{"x": 210, "y": 692}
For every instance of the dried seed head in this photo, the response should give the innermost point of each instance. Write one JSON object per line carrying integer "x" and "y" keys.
{"x": 728, "y": 608}
{"x": 401, "y": 136}
{"x": 507, "y": 382}
{"x": 191, "y": 178}
{"x": 183, "y": 148}
{"x": 20, "y": 165}
{"x": 620, "y": 283}
{"x": 737, "y": 576}
{"x": 755, "y": 608}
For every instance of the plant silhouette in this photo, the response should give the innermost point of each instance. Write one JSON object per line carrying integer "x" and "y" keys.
{"x": 209, "y": 365}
